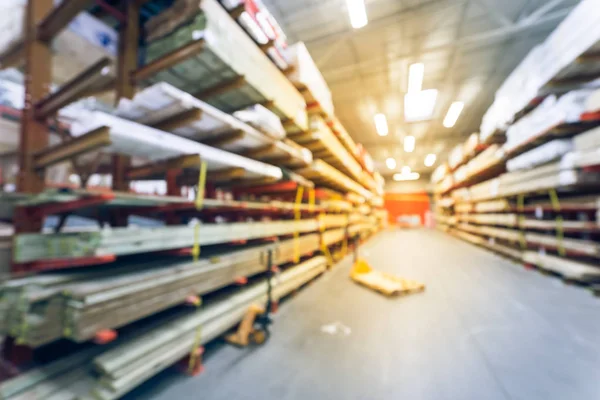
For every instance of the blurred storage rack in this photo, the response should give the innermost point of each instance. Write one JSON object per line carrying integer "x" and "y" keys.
{"x": 527, "y": 186}
{"x": 163, "y": 174}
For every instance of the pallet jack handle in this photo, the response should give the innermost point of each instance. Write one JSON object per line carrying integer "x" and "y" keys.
{"x": 355, "y": 249}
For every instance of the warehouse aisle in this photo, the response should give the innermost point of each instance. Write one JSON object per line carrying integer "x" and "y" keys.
{"x": 484, "y": 329}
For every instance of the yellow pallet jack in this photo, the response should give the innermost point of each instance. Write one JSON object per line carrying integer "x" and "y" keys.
{"x": 247, "y": 333}
{"x": 382, "y": 282}
{"x": 254, "y": 327}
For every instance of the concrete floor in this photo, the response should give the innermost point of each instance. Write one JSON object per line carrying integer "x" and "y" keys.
{"x": 484, "y": 329}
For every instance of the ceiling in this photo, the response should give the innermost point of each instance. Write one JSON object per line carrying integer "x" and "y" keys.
{"x": 468, "y": 48}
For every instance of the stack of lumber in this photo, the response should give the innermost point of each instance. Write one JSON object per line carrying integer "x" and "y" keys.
{"x": 440, "y": 173}
{"x": 77, "y": 305}
{"x": 262, "y": 27}
{"x": 30, "y": 247}
{"x": 456, "y": 157}
{"x": 150, "y": 145}
{"x": 128, "y": 362}
{"x": 329, "y": 221}
{"x": 569, "y": 269}
{"x": 151, "y": 204}
{"x": 445, "y": 219}
{"x": 170, "y": 109}
{"x": 325, "y": 146}
{"x": 541, "y": 178}
{"x": 492, "y": 157}
{"x": 484, "y": 206}
{"x": 468, "y": 164}
{"x": 489, "y": 244}
{"x": 227, "y": 69}
{"x": 342, "y": 134}
{"x": 586, "y": 151}
{"x": 333, "y": 236}
{"x": 139, "y": 359}
{"x": 325, "y": 175}
{"x": 307, "y": 78}
{"x": 580, "y": 247}
{"x": 522, "y": 222}
{"x": 445, "y": 202}
{"x": 203, "y": 83}
{"x": 491, "y": 219}
{"x": 555, "y": 117}
{"x": 564, "y": 61}
{"x": 339, "y": 205}
{"x": 445, "y": 185}
{"x": 543, "y": 154}
{"x": 471, "y": 146}
{"x": 81, "y": 44}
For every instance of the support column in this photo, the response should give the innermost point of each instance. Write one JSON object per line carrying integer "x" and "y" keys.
{"x": 129, "y": 36}
{"x": 38, "y": 75}
{"x": 173, "y": 189}
{"x": 127, "y": 63}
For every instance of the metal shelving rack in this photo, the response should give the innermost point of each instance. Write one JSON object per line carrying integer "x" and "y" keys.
{"x": 292, "y": 199}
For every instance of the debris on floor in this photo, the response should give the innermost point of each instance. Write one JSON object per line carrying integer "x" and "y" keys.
{"x": 336, "y": 329}
{"x": 387, "y": 284}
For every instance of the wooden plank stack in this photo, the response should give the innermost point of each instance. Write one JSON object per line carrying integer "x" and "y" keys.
{"x": 545, "y": 210}
{"x": 77, "y": 305}
{"x": 122, "y": 265}
{"x": 230, "y": 72}
{"x": 140, "y": 356}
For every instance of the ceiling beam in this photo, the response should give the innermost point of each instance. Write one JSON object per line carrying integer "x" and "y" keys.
{"x": 493, "y": 12}
{"x": 541, "y": 11}
{"x": 384, "y": 22}
{"x": 481, "y": 38}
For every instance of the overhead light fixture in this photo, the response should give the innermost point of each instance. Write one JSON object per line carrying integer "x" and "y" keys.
{"x": 409, "y": 144}
{"x": 419, "y": 106}
{"x": 391, "y": 163}
{"x": 453, "y": 114}
{"x": 430, "y": 160}
{"x": 412, "y": 176}
{"x": 381, "y": 125}
{"x": 415, "y": 77}
{"x": 357, "y": 13}
{"x": 406, "y": 170}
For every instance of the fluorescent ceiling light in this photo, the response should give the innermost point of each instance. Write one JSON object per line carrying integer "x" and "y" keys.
{"x": 419, "y": 106}
{"x": 381, "y": 125}
{"x": 453, "y": 114}
{"x": 430, "y": 160}
{"x": 391, "y": 163}
{"x": 406, "y": 170}
{"x": 415, "y": 77}
{"x": 357, "y": 13}
{"x": 409, "y": 144}
{"x": 413, "y": 176}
